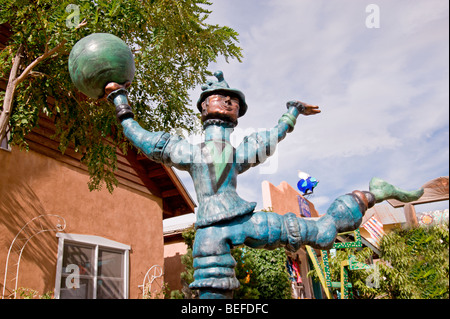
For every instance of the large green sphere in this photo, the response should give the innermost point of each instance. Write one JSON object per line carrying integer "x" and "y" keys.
{"x": 98, "y": 59}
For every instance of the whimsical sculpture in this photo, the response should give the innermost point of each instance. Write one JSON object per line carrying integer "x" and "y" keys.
{"x": 224, "y": 219}
{"x": 307, "y": 183}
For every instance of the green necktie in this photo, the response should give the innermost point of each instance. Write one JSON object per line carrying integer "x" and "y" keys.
{"x": 221, "y": 155}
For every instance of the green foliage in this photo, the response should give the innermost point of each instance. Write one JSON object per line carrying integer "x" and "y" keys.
{"x": 245, "y": 274}
{"x": 415, "y": 263}
{"x": 261, "y": 273}
{"x": 173, "y": 46}
{"x": 28, "y": 293}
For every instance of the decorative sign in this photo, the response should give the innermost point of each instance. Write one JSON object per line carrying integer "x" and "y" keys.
{"x": 321, "y": 273}
{"x": 323, "y": 269}
{"x": 352, "y": 244}
{"x": 304, "y": 206}
{"x": 433, "y": 218}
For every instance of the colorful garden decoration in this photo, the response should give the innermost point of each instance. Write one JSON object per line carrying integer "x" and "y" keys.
{"x": 323, "y": 268}
{"x": 306, "y": 184}
{"x": 436, "y": 217}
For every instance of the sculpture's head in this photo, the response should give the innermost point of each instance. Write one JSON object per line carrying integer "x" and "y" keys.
{"x": 218, "y": 101}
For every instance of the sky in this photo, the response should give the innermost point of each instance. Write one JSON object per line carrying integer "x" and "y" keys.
{"x": 380, "y": 80}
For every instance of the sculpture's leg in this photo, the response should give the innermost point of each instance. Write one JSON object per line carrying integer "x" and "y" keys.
{"x": 271, "y": 230}
{"x": 214, "y": 266}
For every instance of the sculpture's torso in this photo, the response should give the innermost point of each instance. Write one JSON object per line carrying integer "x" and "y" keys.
{"x": 214, "y": 177}
{"x": 213, "y": 164}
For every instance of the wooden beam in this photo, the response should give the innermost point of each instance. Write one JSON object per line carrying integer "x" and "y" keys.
{"x": 141, "y": 157}
{"x": 156, "y": 172}
{"x": 182, "y": 190}
{"x": 141, "y": 172}
{"x": 410, "y": 215}
{"x": 170, "y": 193}
{"x": 50, "y": 152}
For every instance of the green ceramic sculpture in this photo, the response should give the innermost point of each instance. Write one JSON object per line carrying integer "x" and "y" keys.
{"x": 382, "y": 190}
{"x": 98, "y": 59}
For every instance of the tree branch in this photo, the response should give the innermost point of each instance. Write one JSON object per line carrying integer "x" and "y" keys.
{"x": 14, "y": 80}
{"x": 81, "y": 24}
{"x": 36, "y": 62}
{"x": 9, "y": 93}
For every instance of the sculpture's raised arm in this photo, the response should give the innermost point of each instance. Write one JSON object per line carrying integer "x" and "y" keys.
{"x": 160, "y": 147}
{"x": 256, "y": 147}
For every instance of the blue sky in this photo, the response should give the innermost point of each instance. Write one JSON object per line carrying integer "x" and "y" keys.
{"x": 383, "y": 91}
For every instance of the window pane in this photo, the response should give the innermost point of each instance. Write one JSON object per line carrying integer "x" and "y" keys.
{"x": 109, "y": 289}
{"x": 78, "y": 256}
{"x": 81, "y": 288}
{"x": 4, "y": 144}
{"x": 80, "y": 279}
{"x": 110, "y": 263}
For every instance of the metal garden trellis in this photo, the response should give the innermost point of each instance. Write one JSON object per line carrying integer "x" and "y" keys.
{"x": 34, "y": 227}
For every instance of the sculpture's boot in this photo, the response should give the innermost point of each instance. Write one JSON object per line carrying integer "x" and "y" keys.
{"x": 382, "y": 190}
{"x": 344, "y": 214}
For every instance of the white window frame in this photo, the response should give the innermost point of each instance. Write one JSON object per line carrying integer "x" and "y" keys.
{"x": 97, "y": 242}
{"x": 6, "y": 141}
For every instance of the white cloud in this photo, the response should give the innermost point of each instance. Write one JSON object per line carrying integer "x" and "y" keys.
{"x": 383, "y": 92}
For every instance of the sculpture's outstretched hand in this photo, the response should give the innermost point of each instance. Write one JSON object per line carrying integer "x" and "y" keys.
{"x": 311, "y": 109}
{"x": 304, "y": 108}
{"x": 112, "y": 86}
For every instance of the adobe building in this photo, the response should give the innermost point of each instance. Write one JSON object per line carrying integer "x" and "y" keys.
{"x": 108, "y": 241}
{"x": 57, "y": 236}
{"x": 174, "y": 248}
{"x": 283, "y": 199}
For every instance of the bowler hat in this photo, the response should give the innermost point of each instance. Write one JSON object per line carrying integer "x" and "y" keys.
{"x": 221, "y": 85}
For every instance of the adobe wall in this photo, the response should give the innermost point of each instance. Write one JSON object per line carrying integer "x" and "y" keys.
{"x": 173, "y": 266}
{"x": 32, "y": 184}
{"x": 283, "y": 199}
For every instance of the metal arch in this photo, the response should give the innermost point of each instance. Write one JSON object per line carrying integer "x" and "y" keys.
{"x": 28, "y": 233}
{"x": 157, "y": 273}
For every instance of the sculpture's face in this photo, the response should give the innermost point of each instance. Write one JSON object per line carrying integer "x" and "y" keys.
{"x": 222, "y": 105}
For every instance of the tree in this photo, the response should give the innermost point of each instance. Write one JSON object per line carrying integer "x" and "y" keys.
{"x": 415, "y": 263}
{"x": 173, "y": 46}
{"x": 262, "y": 274}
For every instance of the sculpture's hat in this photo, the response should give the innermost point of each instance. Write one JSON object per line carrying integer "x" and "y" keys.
{"x": 221, "y": 85}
